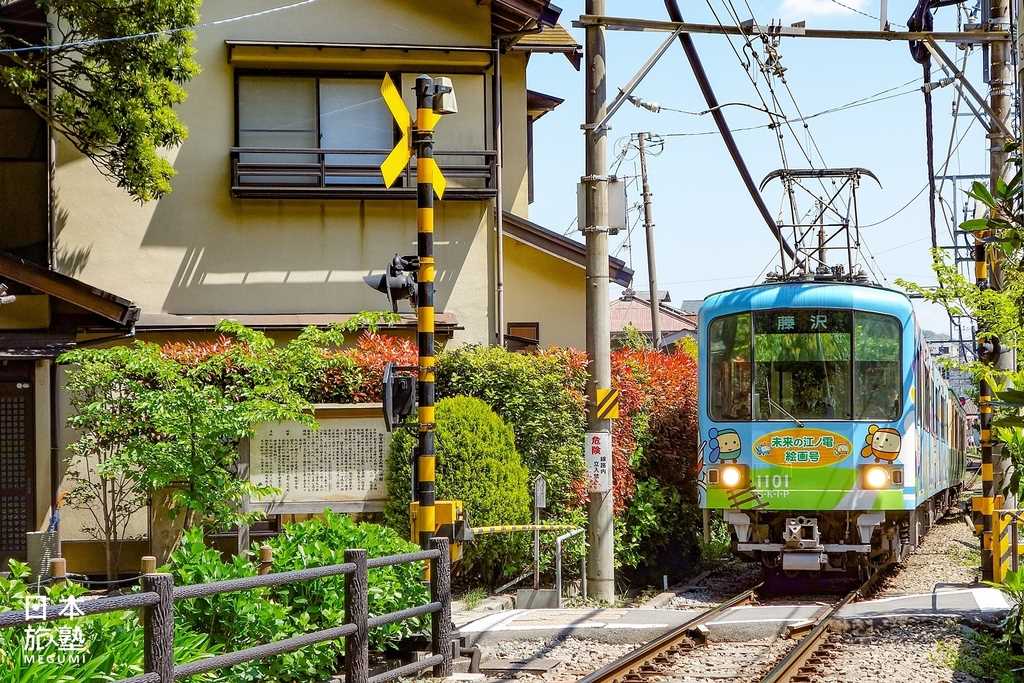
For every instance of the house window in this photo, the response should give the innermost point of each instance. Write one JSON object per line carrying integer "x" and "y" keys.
{"x": 522, "y": 336}
{"x": 279, "y": 116}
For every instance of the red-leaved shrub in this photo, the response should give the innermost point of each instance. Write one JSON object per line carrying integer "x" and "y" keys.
{"x": 372, "y": 352}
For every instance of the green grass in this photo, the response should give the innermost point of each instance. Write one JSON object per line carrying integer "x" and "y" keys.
{"x": 474, "y": 597}
{"x": 983, "y": 656}
{"x": 964, "y": 556}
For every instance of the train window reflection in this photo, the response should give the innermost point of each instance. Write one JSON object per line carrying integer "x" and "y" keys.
{"x": 876, "y": 367}
{"x": 802, "y": 361}
{"x": 730, "y": 363}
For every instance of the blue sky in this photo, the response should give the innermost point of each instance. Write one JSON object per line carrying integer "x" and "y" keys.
{"x": 709, "y": 234}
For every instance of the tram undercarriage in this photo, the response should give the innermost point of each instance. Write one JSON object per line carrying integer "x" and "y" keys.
{"x": 792, "y": 542}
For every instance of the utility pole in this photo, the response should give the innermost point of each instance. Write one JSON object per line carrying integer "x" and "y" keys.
{"x": 652, "y": 271}
{"x": 600, "y": 531}
{"x": 999, "y": 102}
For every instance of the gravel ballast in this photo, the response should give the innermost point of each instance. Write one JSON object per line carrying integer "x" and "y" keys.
{"x": 913, "y": 653}
{"x": 947, "y": 555}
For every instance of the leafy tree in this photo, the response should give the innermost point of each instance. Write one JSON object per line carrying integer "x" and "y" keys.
{"x": 106, "y": 418}
{"x": 112, "y": 98}
{"x": 632, "y": 338}
{"x": 998, "y": 310}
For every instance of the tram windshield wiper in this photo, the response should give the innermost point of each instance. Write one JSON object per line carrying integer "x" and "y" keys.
{"x": 773, "y": 404}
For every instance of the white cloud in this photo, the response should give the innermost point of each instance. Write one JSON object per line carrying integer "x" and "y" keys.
{"x": 802, "y": 9}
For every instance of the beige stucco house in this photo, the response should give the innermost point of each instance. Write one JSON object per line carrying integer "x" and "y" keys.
{"x": 278, "y": 209}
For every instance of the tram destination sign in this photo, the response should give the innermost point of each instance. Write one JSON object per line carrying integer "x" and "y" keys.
{"x": 802, "y": 321}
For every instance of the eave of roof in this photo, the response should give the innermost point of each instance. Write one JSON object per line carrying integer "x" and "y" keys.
{"x": 551, "y": 40}
{"x": 561, "y": 246}
{"x": 515, "y": 16}
{"x": 166, "y": 322}
{"x": 92, "y": 299}
{"x": 538, "y": 104}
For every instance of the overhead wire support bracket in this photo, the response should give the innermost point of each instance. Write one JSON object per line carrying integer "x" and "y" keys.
{"x": 628, "y": 89}
{"x": 993, "y": 120}
{"x": 632, "y": 24}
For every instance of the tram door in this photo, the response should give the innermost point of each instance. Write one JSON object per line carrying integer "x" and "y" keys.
{"x": 17, "y": 449}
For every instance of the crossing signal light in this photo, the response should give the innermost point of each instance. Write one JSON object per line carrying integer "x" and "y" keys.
{"x": 398, "y": 392}
{"x": 398, "y": 281}
{"x": 988, "y": 349}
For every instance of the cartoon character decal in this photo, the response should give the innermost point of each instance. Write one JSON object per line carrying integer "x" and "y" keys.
{"x": 882, "y": 443}
{"x": 723, "y": 444}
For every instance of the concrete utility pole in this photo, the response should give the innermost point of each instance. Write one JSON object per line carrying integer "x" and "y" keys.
{"x": 992, "y": 468}
{"x": 600, "y": 532}
{"x": 652, "y": 270}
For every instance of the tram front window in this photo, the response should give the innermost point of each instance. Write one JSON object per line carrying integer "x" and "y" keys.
{"x": 729, "y": 381}
{"x": 802, "y": 364}
{"x": 876, "y": 367}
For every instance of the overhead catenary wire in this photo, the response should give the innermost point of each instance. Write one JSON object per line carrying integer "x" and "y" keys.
{"x": 154, "y": 34}
{"x": 923, "y": 189}
{"x": 853, "y": 104}
{"x": 697, "y": 66}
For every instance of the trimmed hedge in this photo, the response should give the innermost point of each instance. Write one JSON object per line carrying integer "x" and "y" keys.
{"x": 540, "y": 395}
{"x": 477, "y": 463}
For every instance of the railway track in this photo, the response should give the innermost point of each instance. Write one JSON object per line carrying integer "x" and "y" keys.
{"x": 809, "y": 658}
{"x": 802, "y": 663}
{"x": 642, "y": 662}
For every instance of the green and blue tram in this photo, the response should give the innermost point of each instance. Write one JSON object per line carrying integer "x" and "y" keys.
{"x": 828, "y": 436}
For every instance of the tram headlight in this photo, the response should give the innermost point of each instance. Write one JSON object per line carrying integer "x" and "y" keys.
{"x": 876, "y": 477}
{"x": 731, "y": 476}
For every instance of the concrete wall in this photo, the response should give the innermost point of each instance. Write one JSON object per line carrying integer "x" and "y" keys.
{"x": 197, "y": 250}
{"x": 543, "y": 288}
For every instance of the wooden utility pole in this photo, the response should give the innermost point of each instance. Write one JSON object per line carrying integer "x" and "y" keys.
{"x": 652, "y": 270}
{"x": 600, "y": 530}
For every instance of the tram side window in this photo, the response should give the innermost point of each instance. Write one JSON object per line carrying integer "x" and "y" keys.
{"x": 876, "y": 367}
{"x": 729, "y": 380}
{"x": 802, "y": 364}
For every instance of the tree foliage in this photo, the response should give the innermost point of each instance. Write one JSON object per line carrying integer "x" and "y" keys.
{"x": 997, "y": 310}
{"x": 112, "y": 98}
{"x": 540, "y": 395}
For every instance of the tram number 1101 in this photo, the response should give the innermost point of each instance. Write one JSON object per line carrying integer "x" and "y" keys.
{"x": 773, "y": 481}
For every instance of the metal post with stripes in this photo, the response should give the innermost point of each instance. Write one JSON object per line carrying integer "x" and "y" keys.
{"x": 984, "y": 504}
{"x": 423, "y": 142}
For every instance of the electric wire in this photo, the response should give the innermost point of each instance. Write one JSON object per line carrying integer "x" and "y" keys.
{"x": 154, "y": 34}
{"x": 922, "y": 190}
{"x": 865, "y": 14}
{"x": 753, "y": 81}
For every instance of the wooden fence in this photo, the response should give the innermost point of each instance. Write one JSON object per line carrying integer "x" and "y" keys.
{"x": 159, "y": 594}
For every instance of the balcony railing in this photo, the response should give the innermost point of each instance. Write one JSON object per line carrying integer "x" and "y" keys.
{"x": 298, "y": 173}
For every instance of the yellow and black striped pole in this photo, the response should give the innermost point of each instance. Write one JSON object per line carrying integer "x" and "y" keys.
{"x": 984, "y": 504}
{"x": 423, "y": 141}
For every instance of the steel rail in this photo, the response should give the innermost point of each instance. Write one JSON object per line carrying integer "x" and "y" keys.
{"x": 631, "y": 661}
{"x": 789, "y": 668}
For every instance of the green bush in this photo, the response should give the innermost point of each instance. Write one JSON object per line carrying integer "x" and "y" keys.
{"x": 246, "y": 618}
{"x": 322, "y": 541}
{"x": 477, "y": 463}
{"x": 539, "y": 395}
{"x": 111, "y": 642}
